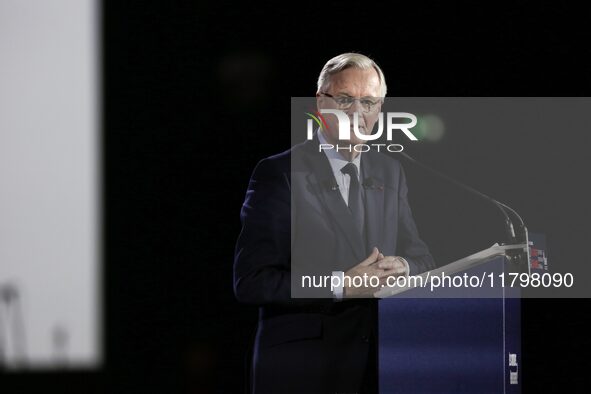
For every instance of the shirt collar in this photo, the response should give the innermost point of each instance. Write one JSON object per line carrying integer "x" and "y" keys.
{"x": 337, "y": 162}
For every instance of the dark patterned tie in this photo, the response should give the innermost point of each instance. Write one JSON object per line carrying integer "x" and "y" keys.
{"x": 355, "y": 203}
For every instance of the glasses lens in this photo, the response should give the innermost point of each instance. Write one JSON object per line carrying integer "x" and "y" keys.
{"x": 344, "y": 102}
{"x": 367, "y": 104}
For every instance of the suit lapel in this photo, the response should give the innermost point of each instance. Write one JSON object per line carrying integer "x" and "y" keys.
{"x": 321, "y": 179}
{"x": 374, "y": 202}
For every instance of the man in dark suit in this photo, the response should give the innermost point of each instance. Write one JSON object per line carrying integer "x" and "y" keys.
{"x": 325, "y": 214}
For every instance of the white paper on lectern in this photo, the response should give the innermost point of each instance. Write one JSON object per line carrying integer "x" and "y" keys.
{"x": 460, "y": 265}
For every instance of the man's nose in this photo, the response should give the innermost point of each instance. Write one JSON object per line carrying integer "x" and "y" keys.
{"x": 356, "y": 108}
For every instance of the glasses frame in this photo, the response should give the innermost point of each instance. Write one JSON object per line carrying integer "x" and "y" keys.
{"x": 354, "y": 99}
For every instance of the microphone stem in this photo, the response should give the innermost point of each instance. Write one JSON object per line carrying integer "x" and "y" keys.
{"x": 502, "y": 207}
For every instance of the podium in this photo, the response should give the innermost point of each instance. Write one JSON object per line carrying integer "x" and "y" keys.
{"x": 449, "y": 344}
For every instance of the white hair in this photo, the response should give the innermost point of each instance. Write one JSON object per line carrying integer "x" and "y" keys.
{"x": 347, "y": 60}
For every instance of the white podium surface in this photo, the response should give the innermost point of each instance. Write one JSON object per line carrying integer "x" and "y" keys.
{"x": 457, "y": 266}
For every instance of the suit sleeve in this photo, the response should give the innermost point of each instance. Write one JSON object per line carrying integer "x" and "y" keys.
{"x": 410, "y": 245}
{"x": 262, "y": 255}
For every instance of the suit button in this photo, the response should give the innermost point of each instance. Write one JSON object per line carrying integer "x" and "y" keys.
{"x": 365, "y": 338}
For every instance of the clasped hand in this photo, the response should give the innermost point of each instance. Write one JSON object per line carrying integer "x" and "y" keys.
{"x": 375, "y": 265}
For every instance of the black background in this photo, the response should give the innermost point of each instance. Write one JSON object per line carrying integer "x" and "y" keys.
{"x": 195, "y": 94}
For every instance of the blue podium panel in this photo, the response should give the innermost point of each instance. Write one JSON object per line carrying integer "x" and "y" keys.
{"x": 449, "y": 345}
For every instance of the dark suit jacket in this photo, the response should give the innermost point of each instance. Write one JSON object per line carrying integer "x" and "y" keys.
{"x": 295, "y": 223}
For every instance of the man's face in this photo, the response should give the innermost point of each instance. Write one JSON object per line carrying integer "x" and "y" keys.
{"x": 351, "y": 83}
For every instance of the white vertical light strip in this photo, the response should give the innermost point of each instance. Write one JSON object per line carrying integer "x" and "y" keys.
{"x": 504, "y": 300}
{"x": 49, "y": 183}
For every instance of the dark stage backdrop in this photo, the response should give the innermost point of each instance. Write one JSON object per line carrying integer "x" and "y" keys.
{"x": 196, "y": 94}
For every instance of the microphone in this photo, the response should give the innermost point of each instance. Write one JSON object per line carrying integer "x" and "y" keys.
{"x": 517, "y": 234}
{"x": 331, "y": 185}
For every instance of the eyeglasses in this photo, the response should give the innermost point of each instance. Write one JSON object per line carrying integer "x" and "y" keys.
{"x": 345, "y": 102}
